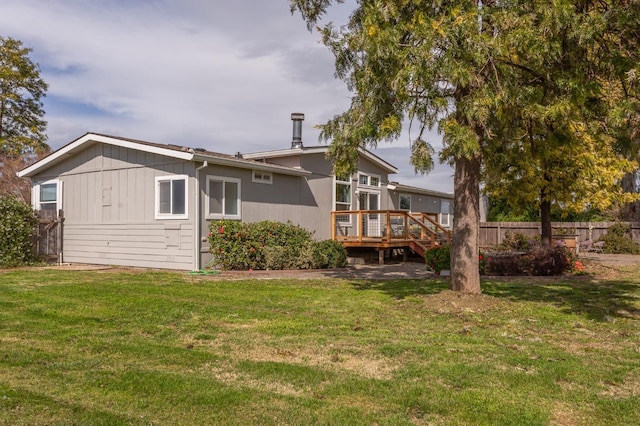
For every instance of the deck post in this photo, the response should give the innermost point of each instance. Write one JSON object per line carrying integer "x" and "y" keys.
{"x": 381, "y": 256}
{"x": 388, "y": 226}
{"x": 333, "y": 225}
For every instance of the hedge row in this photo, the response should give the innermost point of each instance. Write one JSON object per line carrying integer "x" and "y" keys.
{"x": 270, "y": 245}
{"x": 18, "y": 225}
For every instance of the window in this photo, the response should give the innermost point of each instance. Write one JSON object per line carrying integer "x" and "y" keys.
{"x": 223, "y": 198}
{"x": 369, "y": 201}
{"x": 262, "y": 177}
{"x": 343, "y": 197}
{"x": 368, "y": 180}
{"x": 405, "y": 202}
{"x": 47, "y": 196}
{"x": 445, "y": 213}
{"x": 171, "y": 197}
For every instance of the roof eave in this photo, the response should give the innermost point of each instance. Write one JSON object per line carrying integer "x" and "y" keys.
{"x": 250, "y": 164}
{"x": 89, "y": 138}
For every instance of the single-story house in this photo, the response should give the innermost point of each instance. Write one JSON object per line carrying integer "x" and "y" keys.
{"x": 136, "y": 203}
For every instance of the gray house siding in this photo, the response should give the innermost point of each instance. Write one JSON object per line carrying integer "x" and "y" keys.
{"x": 288, "y": 198}
{"x": 108, "y": 198}
{"x": 419, "y": 202}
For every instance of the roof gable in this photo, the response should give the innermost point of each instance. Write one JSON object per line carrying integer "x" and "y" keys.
{"x": 173, "y": 151}
{"x": 390, "y": 168}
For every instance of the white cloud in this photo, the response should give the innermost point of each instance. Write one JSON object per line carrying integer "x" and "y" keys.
{"x": 222, "y": 75}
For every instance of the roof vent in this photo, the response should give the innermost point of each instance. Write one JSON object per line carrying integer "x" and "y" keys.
{"x": 238, "y": 154}
{"x": 297, "y": 118}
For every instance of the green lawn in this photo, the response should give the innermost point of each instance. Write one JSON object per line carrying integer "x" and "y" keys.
{"x": 166, "y": 348}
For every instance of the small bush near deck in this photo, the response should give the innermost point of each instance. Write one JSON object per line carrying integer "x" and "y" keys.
{"x": 618, "y": 241}
{"x": 18, "y": 223}
{"x": 271, "y": 245}
{"x": 438, "y": 258}
{"x": 329, "y": 254}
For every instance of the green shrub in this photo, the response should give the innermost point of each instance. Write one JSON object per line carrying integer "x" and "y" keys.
{"x": 329, "y": 254}
{"x": 271, "y": 245}
{"x": 18, "y": 225}
{"x": 438, "y": 258}
{"x": 280, "y": 257}
{"x": 618, "y": 241}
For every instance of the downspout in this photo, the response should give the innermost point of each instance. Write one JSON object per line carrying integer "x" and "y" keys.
{"x": 198, "y": 219}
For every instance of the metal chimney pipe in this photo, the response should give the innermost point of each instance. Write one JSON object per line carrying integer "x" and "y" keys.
{"x": 297, "y": 118}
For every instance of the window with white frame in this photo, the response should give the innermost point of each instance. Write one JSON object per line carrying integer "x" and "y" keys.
{"x": 445, "y": 213}
{"x": 171, "y": 197}
{"x": 262, "y": 177}
{"x": 343, "y": 197}
{"x": 405, "y": 202}
{"x": 368, "y": 180}
{"x": 223, "y": 198}
{"x": 48, "y": 195}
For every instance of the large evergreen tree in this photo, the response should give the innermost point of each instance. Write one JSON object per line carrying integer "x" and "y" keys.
{"x": 22, "y": 126}
{"x": 464, "y": 67}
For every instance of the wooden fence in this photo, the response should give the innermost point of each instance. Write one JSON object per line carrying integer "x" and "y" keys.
{"x": 492, "y": 233}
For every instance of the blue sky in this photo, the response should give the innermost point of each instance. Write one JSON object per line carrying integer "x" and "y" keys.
{"x": 221, "y": 75}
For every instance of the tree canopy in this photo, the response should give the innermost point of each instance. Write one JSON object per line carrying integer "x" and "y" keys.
{"x": 22, "y": 126}
{"x": 502, "y": 81}
{"x": 559, "y": 142}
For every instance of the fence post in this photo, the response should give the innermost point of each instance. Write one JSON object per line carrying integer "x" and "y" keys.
{"x": 59, "y": 236}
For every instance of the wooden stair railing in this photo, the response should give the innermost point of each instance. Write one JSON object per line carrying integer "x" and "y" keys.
{"x": 418, "y": 231}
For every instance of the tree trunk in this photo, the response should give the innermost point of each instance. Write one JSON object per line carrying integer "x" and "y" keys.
{"x": 545, "y": 222}
{"x": 630, "y": 211}
{"x": 465, "y": 275}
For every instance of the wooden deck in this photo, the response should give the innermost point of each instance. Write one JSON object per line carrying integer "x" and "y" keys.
{"x": 388, "y": 229}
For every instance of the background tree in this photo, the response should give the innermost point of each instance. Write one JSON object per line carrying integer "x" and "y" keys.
{"x": 22, "y": 127}
{"x": 559, "y": 146}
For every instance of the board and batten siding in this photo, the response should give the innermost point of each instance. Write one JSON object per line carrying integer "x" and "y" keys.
{"x": 141, "y": 244}
{"x": 109, "y": 204}
{"x": 419, "y": 202}
{"x": 287, "y": 198}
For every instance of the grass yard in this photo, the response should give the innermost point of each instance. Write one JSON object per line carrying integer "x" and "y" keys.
{"x": 111, "y": 348}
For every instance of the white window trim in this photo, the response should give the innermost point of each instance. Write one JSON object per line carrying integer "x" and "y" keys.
{"x": 445, "y": 218}
{"x": 349, "y": 182}
{"x": 170, "y": 178}
{"x": 262, "y": 180}
{"x": 400, "y": 202}
{"x": 368, "y": 184}
{"x": 208, "y": 197}
{"x": 35, "y": 194}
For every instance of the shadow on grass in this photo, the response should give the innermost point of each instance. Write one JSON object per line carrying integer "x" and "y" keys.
{"x": 28, "y": 404}
{"x": 600, "y": 300}
{"x": 399, "y": 289}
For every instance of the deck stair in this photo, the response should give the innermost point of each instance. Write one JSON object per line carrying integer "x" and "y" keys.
{"x": 383, "y": 230}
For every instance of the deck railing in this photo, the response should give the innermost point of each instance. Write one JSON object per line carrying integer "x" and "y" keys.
{"x": 365, "y": 227}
